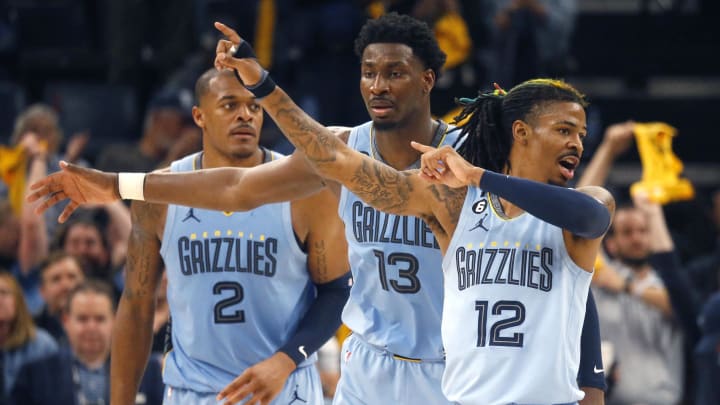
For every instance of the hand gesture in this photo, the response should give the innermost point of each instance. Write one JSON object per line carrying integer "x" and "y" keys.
{"x": 261, "y": 382}
{"x": 79, "y": 185}
{"x": 248, "y": 69}
{"x": 619, "y": 137}
{"x": 446, "y": 166}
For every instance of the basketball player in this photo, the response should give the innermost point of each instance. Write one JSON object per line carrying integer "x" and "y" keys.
{"x": 252, "y": 294}
{"x": 395, "y": 354}
{"x": 523, "y": 277}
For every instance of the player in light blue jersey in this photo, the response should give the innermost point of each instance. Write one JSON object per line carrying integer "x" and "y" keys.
{"x": 499, "y": 350}
{"x": 395, "y": 354}
{"x": 252, "y": 294}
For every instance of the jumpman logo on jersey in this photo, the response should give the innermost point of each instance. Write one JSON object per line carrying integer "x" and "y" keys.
{"x": 296, "y": 397}
{"x": 480, "y": 224}
{"x": 191, "y": 214}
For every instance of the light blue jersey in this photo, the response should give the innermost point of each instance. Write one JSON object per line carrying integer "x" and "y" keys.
{"x": 396, "y": 299}
{"x": 238, "y": 286}
{"x": 395, "y": 355}
{"x": 513, "y": 311}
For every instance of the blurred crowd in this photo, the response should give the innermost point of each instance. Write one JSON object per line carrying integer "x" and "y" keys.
{"x": 656, "y": 284}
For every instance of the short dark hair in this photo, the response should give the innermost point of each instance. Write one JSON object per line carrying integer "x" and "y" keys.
{"x": 490, "y": 117}
{"x": 54, "y": 257}
{"x": 394, "y": 28}
{"x": 202, "y": 85}
{"x": 86, "y": 218}
{"x": 94, "y": 286}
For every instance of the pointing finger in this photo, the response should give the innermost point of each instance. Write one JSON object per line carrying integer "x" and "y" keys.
{"x": 228, "y": 32}
{"x": 420, "y": 147}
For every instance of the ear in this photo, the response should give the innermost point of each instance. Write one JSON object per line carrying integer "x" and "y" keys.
{"x": 197, "y": 115}
{"x": 428, "y": 79}
{"x": 521, "y": 132}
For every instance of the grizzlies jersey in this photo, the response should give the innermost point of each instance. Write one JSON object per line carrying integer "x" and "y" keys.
{"x": 237, "y": 287}
{"x": 514, "y": 309}
{"x": 396, "y": 298}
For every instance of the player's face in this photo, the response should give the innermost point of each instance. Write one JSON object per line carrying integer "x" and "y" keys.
{"x": 230, "y": 117}
{"x": 630, "y": 237}
{"x": 394, "y": 84}
{"x": 58, "y": 280}
{"x": 556, "y": 135}
{"x": 88, "y": 323}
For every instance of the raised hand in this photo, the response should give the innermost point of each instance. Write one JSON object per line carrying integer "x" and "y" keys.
{"x": 261, "y": 382}
{"x": 446, "y": 166}
{"x": 248, "y": 68}
{"x": 77, "y": 184}
{"x": 618, "y": 137}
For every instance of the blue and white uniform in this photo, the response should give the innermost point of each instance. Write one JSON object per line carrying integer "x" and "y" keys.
{"x": 513, "y": 310}
{"x": 395, "y": 354}
{"x": 238, "y": 285}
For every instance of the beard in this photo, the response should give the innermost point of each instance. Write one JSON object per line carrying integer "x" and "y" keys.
{"x": 385, "y": 125}
{"x": 634, "y": 262}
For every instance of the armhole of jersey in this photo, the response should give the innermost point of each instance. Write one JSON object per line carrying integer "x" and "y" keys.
{"x": 172, "y": 208}
{"x": 462, "y": 224}
{"x": 292, "y": 239}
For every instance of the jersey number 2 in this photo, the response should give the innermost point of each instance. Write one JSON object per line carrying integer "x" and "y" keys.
{"x": 518, "y": 317}
{"x": 222, "y": 312}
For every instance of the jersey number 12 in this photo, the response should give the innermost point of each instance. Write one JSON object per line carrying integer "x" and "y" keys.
{"x": 518, "y": 317}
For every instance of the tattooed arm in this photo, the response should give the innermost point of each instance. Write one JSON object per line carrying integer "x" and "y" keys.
{"x": 132, "y": 334}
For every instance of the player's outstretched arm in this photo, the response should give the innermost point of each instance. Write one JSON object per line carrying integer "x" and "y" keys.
{"x": 378, "y": 184}
{"x": 132, "y": 333}
{"x": 225, "y": 189}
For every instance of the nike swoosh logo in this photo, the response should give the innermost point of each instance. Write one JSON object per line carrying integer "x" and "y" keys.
{"x": 598, "y": 370}
{"x": 301, "y": 349}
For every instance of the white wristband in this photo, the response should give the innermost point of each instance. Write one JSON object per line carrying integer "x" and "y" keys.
{"x": 130, "y": 186}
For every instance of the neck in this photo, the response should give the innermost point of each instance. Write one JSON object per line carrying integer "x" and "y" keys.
{"x": 211, "y": 159}
{"x": 394, "y": 144}
{"x": 93, "y": 361}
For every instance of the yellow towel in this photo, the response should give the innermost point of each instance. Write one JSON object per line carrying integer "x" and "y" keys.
{"x": 13, "y": 169}
{"x": 661, "y": 167}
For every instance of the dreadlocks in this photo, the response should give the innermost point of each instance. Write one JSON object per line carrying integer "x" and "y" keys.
{"x": 488, "y": 131}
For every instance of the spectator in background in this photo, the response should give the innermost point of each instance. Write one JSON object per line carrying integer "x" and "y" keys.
{"x": 20, "y": 340}
{"x": 168, "y": 133}
{"x": 60, "y": 273}
{"x": 529, "y": 38}
{"x": 644, "y": 301}
{"x": 41, "y": 123}
{"x": 86, "y": 237}
{"x": 707, "y": 354}
{"x": 80, "y": 373}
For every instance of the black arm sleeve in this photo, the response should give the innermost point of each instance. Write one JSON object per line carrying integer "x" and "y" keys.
{"x": 321, "y": 320}
{"x": 591, "y": 372}
{"x": 566, "y": 208}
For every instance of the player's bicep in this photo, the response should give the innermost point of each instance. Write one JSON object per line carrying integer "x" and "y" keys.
{"x": 144, "y": 265}
{"x": 325, "y": 243}
{"x": 584, "y": 251}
